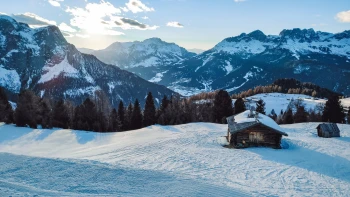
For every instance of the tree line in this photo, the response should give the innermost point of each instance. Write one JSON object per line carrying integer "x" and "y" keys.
{"x": 96, "y": 114}
{"x": 288, "y": 86}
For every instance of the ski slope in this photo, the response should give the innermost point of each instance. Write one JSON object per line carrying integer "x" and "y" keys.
{"x": 183, "y": 160}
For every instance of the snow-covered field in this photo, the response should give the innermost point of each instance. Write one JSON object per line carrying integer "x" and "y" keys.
{"x": 183, "y": 160}
{"x": 279, "y": 101}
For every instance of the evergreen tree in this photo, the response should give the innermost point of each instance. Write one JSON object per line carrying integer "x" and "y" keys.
{"x": 136, "y": 118}
{"x": 301, "y": 115}
{"x": 348, "y": 116}
{"x": 160, "y": 113}
{"x": 60, "y": 117}
{"x": 128, "y": 116}
{"x": 6, "y": 112}
{"x": 333, "y": 111}
{"x": 288, "y": 117}
{"x": 121, "y": 115}
{"x": 239, "y": 106}
{"x": 149, "y": 115}
{"x": 260, "y": 106}
{"x": 114, "y": 121}
{"x": 45, "y": 114}
{"x": 27, "y": 109}
{"x": 222, "y": 106}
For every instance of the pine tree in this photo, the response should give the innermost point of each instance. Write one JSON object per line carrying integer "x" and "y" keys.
{"x": 136, "y": 118}
{"x": 348, "y": 116}
{"x": 288, "y": 117}
{"x": 114, "y": 121}
{"x": 301, "y": 115}
{"x": 128, "y": 116}
{"x": 260, "y": 106}
{"x": 239, "y": 106}
{"x": 149, "y": 115}
{"x": 27, "y": 109}
{"x": 222, "y": 106}
{"x": 6, "y": 112}
{"x": 121, "y": 115}
{"x": 60, "y": 117}
{"x": 45, "y": 114}
{"x": 161, "y": 119}
{"x": 333, "y": 111}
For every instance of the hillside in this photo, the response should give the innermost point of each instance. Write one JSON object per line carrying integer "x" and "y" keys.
{"x": 178, "y": 160}
{"x": 42, "y": 60}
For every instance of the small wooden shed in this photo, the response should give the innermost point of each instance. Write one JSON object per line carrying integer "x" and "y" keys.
{"x": 250, "y": 129}
{"x": 328, "y": 130}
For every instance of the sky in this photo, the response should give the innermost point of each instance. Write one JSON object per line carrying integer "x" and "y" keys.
{"x": 193, "y": 24}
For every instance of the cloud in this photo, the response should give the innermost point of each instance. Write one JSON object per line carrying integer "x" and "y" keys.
{"x": 66, "y": 28}
{"x": 1, "y": 13}
{"x": 32, "y": 20}
{"x": 55, "y": 3}
{"x": 95, "y": 18}
{"x": 82, "y": 35}
{"x": 127, "y": 23}
{"x": 343, "y": 17}
{"x": 67, "y": 35}
{"x": 174, "y": 24}
{"x": 137, "y": 6}
{"x": 239, "y": 1}
{"x": 145, "y": 17}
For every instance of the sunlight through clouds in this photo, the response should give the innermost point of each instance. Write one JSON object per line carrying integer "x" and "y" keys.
{"x": 90, "y": 18}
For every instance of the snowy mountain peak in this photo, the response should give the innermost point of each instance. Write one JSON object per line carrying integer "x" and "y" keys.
{"x": 152, "y": 52}
{"x": 42, "y": 60}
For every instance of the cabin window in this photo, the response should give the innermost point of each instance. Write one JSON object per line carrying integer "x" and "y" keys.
{"x": 256, "y": 137}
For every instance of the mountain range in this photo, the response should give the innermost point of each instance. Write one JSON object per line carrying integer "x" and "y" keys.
{"x": 241, "y": 62}
{"x": 43, "y": 61}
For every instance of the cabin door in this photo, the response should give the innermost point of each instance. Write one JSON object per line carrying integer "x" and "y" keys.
{"x": 256, "y": 137}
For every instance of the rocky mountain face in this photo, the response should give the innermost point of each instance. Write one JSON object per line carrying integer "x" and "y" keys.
{"x": 42, "y": 60}
{"x": 248, "y": 60}
{"x": 148, "y": 59}
{"x": 241, "y": 62}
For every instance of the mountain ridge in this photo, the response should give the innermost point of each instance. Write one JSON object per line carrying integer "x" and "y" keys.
{"x": 42, "y": 60}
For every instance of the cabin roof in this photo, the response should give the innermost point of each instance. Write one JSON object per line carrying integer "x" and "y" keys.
{"x": 241, "y": 121}
{"x": 329, "y": 127}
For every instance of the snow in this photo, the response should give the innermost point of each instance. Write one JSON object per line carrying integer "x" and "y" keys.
{"x": 152, "y": 61}
{"x": 53, "y": 71}
{"x": 158, "y": 77}
{"x": 90, "y": 90}
{"x": 280, "y": 101}
{"x": 183, "y": 160}
{"x": 112, "y": 85}
{"x": 246, "y": 77}
{"x": 252, "y": 46}
{"x": 209, "y": 57}
{"x": 228, "y": 67}
{"x": 10, "y": 79}
{"x": 243, "y": 117}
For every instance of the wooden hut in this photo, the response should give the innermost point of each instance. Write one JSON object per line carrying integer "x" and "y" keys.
{"x": 250, "y": 129}
{"x": 328, "y": 130}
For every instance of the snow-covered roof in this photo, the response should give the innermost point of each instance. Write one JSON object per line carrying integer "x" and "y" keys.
{"x": 243, "y": 121}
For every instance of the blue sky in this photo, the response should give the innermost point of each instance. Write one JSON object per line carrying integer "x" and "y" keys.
{"x": 190, "y": 23}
